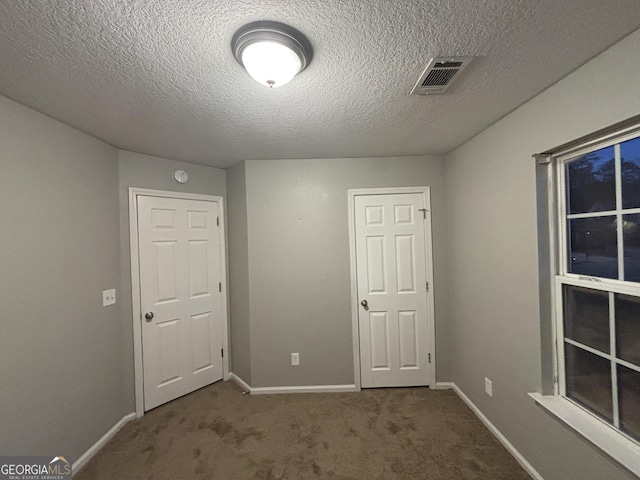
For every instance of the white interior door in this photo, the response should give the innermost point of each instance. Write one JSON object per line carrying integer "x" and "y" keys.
{"x": 392, "y": 290}
{"x": 179, "y": 255}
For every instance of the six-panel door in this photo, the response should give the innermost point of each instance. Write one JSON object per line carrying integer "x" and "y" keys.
{"x": 392, "y": 281}
{"x": 179, "y": 254}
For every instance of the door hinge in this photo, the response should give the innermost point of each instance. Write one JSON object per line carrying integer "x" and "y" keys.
{"x": 429, "y": 358}
{"x": 427, "y": 286}
{"x": 222, "y": 352}
{"x": 220, "y": 287}
{"x": 218, "y": 221}
{"x": 424, "y": 212}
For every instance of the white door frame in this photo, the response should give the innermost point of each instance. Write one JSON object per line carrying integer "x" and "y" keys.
{"x": 134, "y": 193}
{"x": 431, "y": 331}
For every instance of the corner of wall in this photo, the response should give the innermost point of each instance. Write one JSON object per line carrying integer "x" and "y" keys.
{"x": 239, "y": 305}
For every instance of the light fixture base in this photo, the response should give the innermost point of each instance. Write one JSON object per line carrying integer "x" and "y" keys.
{"x": 272, "y": 32}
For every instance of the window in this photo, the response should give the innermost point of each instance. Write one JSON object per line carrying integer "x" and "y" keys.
{"x": 597, "y": 285}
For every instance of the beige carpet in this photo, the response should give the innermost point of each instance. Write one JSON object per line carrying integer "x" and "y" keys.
{"x": 218, "y": 434}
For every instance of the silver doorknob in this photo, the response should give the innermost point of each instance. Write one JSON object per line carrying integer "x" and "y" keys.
{"x": 364, "y": 303}
{"x": 148, "y": 316}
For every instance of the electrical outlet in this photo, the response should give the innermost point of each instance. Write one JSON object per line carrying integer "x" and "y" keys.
{"x": 295, "y": 359}
{"x": 108, "y": 297}
{"x": 488, "y": 387}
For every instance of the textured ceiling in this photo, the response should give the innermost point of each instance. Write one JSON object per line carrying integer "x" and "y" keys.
{"x": 158, "y": 77}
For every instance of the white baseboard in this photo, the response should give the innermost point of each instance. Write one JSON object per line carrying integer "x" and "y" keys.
{"x": 442, "y": 386}
{"x": 503, "y": 440}
{"x": 304, "y": 389}
{"x": 294, "y": 389}
{"x": 95, "y": 448}
{"x": 244, "y": 385}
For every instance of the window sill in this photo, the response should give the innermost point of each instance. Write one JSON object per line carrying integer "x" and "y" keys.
{"x": 614, "y": 445}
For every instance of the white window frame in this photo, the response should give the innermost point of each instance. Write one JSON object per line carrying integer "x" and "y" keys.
{"x": 613, "y": 442}
{"x": 611, "y": 286}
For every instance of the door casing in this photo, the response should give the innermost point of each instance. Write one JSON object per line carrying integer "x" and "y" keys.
{"x": 134, "y": 193}
{"x": 352, "y": 194}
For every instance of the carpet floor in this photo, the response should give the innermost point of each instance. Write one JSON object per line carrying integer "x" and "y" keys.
{"x": 217, "y": 433}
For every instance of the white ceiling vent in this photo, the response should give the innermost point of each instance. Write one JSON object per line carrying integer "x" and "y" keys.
{"x": 439, "y": 74}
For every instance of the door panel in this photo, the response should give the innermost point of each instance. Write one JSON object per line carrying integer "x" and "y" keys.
{"x": 405, "y": 263}
{"x": 198, "y": 270}
{"x": 408, "y": 339}
{"x": 169, "y": 340}
{"x": 180, "y": 263}
{"x": 376, "y": 271}
{"x": 392, "y": 279}
{"x": 403, "y": 214}
{"x": 379, "y": 328}
{"x": 374, "y": 215}
{"x": 165, "y": 271}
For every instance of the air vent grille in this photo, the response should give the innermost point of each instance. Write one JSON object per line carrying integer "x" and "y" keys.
{"x": 439, "y": 74}
{"x": 439, "y": 77}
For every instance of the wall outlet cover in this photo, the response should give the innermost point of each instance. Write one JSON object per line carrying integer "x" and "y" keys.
{"x": 108, "y": 297}
{"x": 488, "y": 387}
{"x": 295, "y": 359}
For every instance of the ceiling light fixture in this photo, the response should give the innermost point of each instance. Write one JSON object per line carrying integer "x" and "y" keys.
{"x": 272, "y": 53}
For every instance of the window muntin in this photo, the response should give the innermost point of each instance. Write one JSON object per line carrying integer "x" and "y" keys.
{"x": 598, "y": 285}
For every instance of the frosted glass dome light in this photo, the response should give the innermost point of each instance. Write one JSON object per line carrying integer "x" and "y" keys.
{"x": 272, "y": 53}
{"x": 270, "y": 63}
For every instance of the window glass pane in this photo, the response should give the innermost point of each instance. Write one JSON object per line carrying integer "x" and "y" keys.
{"x": 591, "y": 185}
{"x": 588, "y": 380}
{"x": 631, "y": 229}
{"x": 629, "y": 401}
{"x": 628, "y": 328}
{"x": 586, "y": 317}
{"x": 630, "y": 153}
{"x": 593, "y": 246}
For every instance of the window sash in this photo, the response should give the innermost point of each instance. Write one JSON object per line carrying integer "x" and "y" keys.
{"x": 563, "y": 217}
{"x": 561, "y": 339}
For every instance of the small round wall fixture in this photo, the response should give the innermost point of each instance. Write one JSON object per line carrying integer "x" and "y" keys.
{"x": 272, "y": 52}
{"x": 180, "y": 176}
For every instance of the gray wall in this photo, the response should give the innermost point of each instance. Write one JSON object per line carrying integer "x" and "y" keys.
{"x": 493, "y": 287}
{"x": 60, "y": 350}
{"x": 299, "y": 273}
{"x": 144, "y": 171}
{"x": 239, "y": 272}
